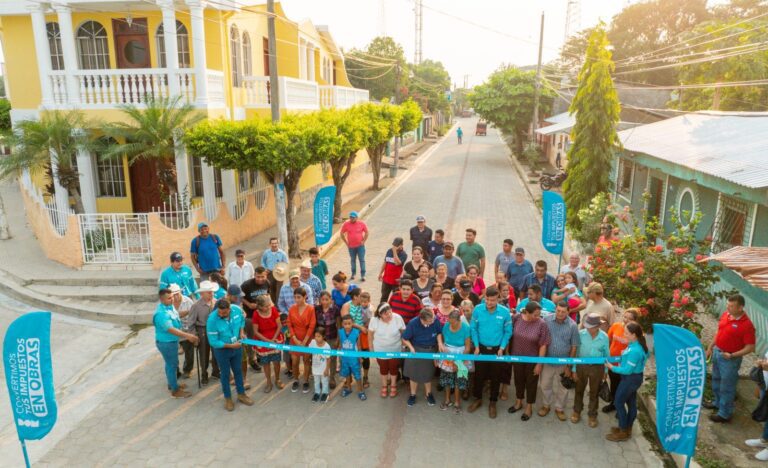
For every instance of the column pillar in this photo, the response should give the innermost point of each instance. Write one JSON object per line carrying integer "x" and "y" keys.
{"x": 171, "y": 46}
{"x": 209, "y": 191}
{"x": 229, "y": 189}
{"x": 61, "y": 195}
{"x": 182, "y": 172}
{"x": 69, "y": 51}
{"x": 87, "y": 182}
{"x": 42, "y": 52}
{"x": 311, "y": 74}
{"x": 196, "y": 11}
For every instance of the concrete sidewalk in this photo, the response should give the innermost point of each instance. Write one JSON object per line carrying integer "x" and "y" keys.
{"x": 129, "y": 296}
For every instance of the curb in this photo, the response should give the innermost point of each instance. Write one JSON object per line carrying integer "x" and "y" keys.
{"x": 649, "y": 403}
{"x": 385, "y": 194}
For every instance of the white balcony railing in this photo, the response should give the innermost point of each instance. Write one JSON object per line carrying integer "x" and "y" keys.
{"x": 256, "y": 91}
{"x": 342, "y": 97}
{"x": 215, "y": 88}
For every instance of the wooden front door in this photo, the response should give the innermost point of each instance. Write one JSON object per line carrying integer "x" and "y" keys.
{"x": 131, "y": 43}
{"x": 145, "y": 186}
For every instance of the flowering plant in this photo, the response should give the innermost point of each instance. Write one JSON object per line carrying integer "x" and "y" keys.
{"x": 658, "y": 272}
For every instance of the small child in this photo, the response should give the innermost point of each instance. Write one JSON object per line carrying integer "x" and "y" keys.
{"x": 361, "y": 316}
{"x": 350, "y": 366}
{"x": 365, "y": 307}
{"x": 319, "y": 267}
{"x": 321, "y": 366}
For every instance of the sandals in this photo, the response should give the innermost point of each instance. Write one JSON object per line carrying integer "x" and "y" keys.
{"x": 392, "y": 392}
{"x": 279, "y": 385}
{"x": 268, "y": 388}
{"x": 457, "y": 410}
{"x": 365, "y": 382}
{"x": 384, "y": 392}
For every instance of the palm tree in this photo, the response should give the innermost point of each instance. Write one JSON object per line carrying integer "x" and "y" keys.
{"x": 56, "y": 137}
{"x": 152, "y": 132}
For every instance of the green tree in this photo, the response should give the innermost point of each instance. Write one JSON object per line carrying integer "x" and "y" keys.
{"x": 351, "y": 129}
{"x": 410, "y": 116}
{"x": 506, "y": 100}
{"x": 56, "y": 137}
{"x": 5, "y": 127}
{"x": 596, "y": 106}
{"x": 375, "y": 68}
{"x": 383, "y": 122}
{"x": 152, "y": 132}
{"x": 428, "y": 84}
{"x": 747, "y": 37}
{"x": 289, "y": 147}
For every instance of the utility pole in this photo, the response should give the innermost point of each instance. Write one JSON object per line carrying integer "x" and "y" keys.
{"x": 419, "y": 16}
{"x": 537, "y": 86}
{"x": 393, "y": 169}
{"x": 274, "y": 95}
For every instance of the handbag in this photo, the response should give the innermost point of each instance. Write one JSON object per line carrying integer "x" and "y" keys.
{"x": 760, "y": 414}
{"x": 756, "y": 375}
{"x": 605, "y": 392}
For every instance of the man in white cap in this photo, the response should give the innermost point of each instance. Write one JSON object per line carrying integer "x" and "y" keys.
{"x": 306, "y": 276}
{"x": 198, "y": 317}
{"x": 183, "y": 304}
{"x": 421, "y": 235}
{"x": 286, "y": 300}
{"x": 354, "y": 233}
{"x": 593, "y": 342}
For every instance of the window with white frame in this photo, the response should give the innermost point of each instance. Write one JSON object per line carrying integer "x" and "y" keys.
{"x": 234, "y": 46}
{"x": 54, "y": 44}
{"x": 197, "y": 176}
{"x": 247, "y": 52}
{"x": 731, "y": 224}
{"x": 92, "y": 46}
{"x": 110, "y": 174}
{"x": 182, "y": 45}
{"x": 624, "y": 181}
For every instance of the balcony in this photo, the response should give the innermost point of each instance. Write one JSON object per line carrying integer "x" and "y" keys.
{"x": 109, "y": 88}
{"x": 298, "y": 94}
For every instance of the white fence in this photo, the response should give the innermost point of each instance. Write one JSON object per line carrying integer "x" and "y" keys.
{"x": 342, "y": 97}
{"x": 56, "y": 215}
{"x": 115, "y": 238}
{"x": 177, "y": 213}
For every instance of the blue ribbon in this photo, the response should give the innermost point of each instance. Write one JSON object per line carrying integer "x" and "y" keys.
{"x": 432, "y": 356}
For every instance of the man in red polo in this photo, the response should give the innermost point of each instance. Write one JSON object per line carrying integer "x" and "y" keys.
{"x": 735, "y": 338}
{"x": 405, "y": 303}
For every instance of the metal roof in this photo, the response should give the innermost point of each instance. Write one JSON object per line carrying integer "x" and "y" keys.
{"x": 564, "y": 126}
{"x": 750, "y": 262}
{"x": 561, "y": 117}
{"x": 732, "y": 146}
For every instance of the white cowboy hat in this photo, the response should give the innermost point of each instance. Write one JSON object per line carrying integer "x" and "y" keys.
{"x": 208, "y": 286}
{"x": 174, "y": 288}
{"x": 280, "y": 272}
{"x": 307, "y": 264}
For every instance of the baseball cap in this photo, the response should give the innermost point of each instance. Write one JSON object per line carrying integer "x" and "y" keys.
{"x": 520, "y": 250}
{"x": 201, "y": 225}
{"x": 294, "y": 274}
{"x": 239, "y": 252}
{"x": 448, "y": 244}
{"x": 420, "y": 218}
{"x": 398, "y": 241}
{"x": 595, "y": 288}
{"x": 176, "y": 256}
{"x": 465, "y": 284}
{"x": 353, "y": 214}
{"x": 234, "y": 290}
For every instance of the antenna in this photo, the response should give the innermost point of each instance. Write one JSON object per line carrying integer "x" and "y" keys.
{"x": 419, "y": 16}
{"x": 572, "y": 18}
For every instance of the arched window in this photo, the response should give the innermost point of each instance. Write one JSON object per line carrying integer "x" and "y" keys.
{"x": 92, "y": 46}
{"x": 182, "y": 44}
{"x": 247, "y": 67}
{"x": 54, "y": 44}
{"x": 234, "y": 46}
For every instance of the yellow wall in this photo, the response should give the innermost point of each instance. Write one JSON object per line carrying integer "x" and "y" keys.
{"x": 21, "y": 62}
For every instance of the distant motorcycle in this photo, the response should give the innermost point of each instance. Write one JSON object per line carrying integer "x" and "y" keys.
{"x": 547, "y": 181}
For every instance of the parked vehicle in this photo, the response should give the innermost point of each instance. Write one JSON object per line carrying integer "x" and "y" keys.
{"x": 547, "y": 181}
{"x": 481, "y": 128}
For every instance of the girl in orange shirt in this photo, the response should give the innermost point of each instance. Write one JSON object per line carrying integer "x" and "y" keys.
{"x": 301, "y": 324}
{"x": 617, "y": 344}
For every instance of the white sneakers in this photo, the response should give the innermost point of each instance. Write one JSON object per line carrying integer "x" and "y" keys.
{"x": 759, "y": 443}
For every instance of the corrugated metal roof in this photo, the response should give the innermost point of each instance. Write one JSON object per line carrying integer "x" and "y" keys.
{"x": 750, "y": 262}
{"x": 564, "y": 126}
{"x": 557, "y": 118}
{"x": 732, "y": 146}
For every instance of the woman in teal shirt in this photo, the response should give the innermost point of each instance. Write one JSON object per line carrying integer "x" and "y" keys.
{"x": 455, "y": 339}
{"x": 167, "y": 333}
{"x": 631, "y": 370}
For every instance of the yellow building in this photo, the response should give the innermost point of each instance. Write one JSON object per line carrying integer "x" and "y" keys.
{"x": 97, "y": 55}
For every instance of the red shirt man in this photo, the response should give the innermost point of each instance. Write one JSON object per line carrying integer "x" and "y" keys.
{"x": 354, "y": 232}
{"x": 404, "y": 303}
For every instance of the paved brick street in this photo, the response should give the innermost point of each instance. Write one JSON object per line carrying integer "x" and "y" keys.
{"x": 133, "y": 422}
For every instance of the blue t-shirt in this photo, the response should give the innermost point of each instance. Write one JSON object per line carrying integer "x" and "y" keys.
{"x": 516, "y": 273}
{"x": 340, "y": 300}
{"x": 349, "y": 342}
{"x": 455, "y": 338}
{"x": 421, "y": 336}
{"x": 207, "y": 252}
{"x": 183, "y": 278}
{"x": 164, "y": 319}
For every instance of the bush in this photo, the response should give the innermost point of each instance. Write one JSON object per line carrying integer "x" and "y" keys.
{"x": 591, "y": 218}
{"x": 532, "y": 156}
{"x": 665, "y": 281}
{"x": 443, "y": 129}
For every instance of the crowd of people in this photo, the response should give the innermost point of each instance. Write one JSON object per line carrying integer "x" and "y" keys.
{"x": 435, "y": 300}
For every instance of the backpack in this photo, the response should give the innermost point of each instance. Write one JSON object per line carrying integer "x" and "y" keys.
{"x": 197, "y": 242}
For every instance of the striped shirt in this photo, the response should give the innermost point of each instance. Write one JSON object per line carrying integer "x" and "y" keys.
{"x": 316, "y": 286}
{"x": 285, "y": 299}
{"x": 564, "y": 335}
{"x": 407, "y": 309}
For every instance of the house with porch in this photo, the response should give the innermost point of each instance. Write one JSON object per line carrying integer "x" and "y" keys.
{"x": 711, "y": 162}
{"x": 98, "y": 55}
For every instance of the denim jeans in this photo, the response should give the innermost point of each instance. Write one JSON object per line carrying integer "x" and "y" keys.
{"x": 357, "y": 252}
{"x": 170, "y": 352}
{"x": 321, "y": 384}
{"x": 230, "y": 360}
{"x": 626, "y": 399}
{"x": 725, "y": 376}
